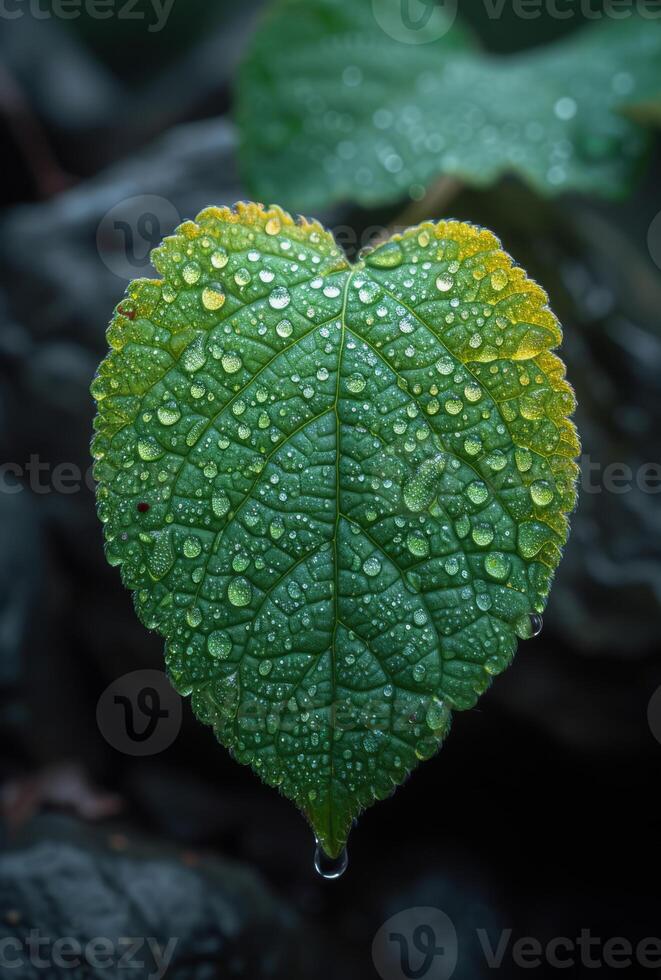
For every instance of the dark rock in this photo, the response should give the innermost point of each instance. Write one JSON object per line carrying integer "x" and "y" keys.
{"x": 66, "y": 270}
{"x": 202, "y": 73}
{"x": 66, "y": 85}
{"x": 21, "y": 572}
{"x": 192, "y": 916}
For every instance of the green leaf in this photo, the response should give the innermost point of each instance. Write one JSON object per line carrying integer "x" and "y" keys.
{"x": 331, "y": 107}
{"x": 338, "y": 491}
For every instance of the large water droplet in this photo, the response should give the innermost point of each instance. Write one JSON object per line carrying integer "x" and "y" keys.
{"x": 420, "y": 490}
{"x": 220, "y": 503}
{"x": 387, "y": 257}
{"x": 284, "y": 329}
{"x": 498, "y": 279}
{"x": 523, "y": 459}
{"x": 369, "y": 292}
{"x": 536, "y": 624}
{"x": 161, "y": 559}
{"x": 528, "y": 626}
{"x": 213, "y": 298}
{"x": 193, "y": 616}
{"x": 219, "y": 258}
{"x": 497, "y": 565}
{"x": 231, "y": 363}
{"x": 239, "y": 592}
{"x": 168, "y": 414}
{"x": 219, "y": 644}
{"x": 417, "y": 544}
{"x": 541, "y": 493}
{"x": 191, "y": 273}
{"x": 192, "y": 547}
{"x": 194, "y": 357}
{"x": 445, "y": 365}
{"x": 279, "y": 298}
{"x": 277, "y": 528}
{"x": 272, "y": 226}
{"x": 356, "y": 383}
{"x": 149, "y": 449}
{"x": 328, "y": 867}
{"x": 372, "y": 566}
{"x": 482, "y": 534}
{"x": 438, "y": 715}
{"x": 477, "y": 492}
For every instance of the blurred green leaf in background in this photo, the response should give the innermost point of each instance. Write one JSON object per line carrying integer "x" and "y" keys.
{"x": 361, "y": 102}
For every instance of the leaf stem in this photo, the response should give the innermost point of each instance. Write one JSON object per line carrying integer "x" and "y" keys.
{"x": 435, "y": 199}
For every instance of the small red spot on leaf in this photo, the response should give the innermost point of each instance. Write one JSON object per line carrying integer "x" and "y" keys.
{"x": 143, "y": 507}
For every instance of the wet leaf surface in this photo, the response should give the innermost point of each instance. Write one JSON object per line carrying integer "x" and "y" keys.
{"x": 338, "y": 491}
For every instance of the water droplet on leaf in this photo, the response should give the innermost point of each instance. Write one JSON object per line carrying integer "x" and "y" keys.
{"x": 372, "y": 566}
{"x": 220, "y": 503}
{"x": 212, "y": 299}
{"x": 279, "y": 298}
{"x": 231, "y": 363}
{"x": 239, "y": 591}
{"x": 219, "y": 644}
{"x": 328, "y": 867}
{"x": 387, "y": 257}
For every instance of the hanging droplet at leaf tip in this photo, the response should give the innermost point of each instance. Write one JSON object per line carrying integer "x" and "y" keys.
{"x": 536, "y": 624}
{"x": 328, "y": 867}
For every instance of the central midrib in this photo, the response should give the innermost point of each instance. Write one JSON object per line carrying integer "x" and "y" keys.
{"x": 336, "y": 578}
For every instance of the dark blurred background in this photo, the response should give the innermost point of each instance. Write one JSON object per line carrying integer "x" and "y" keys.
{"x": 538, "y": 815}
